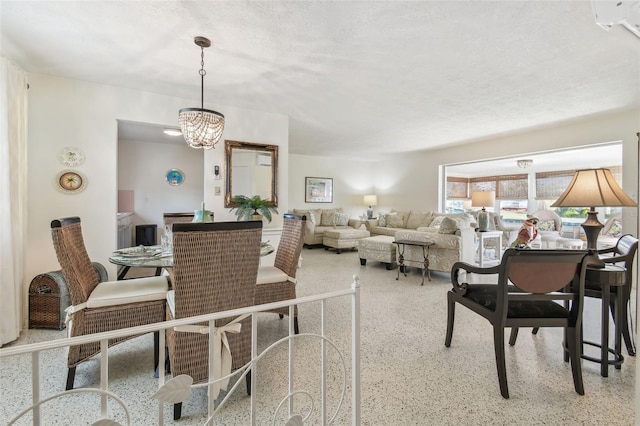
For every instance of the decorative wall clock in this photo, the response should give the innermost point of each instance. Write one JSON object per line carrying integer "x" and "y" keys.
{"x": 174, "y": 177}
{"x": 70, "y": 181}
{"x": 71, "y": 156}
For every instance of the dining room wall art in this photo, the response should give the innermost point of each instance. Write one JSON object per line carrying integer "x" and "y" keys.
{"x": 70, "y": 181}
{"x": 318, "y": 190}
{"x": 174, "y": 177}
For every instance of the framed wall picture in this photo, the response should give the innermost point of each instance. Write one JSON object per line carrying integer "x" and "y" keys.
{"x": 318, "y": 190}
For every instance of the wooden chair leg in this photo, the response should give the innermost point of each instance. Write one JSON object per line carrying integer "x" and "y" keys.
{"x": 573, "y": 343}
{"x": 296, "y": 329}
{"x": 451, "y": 310}
{"x": 498, "y": 342}
{"x": 156, "y": 349}
{"x": 513, "y": 336}
{"x": 177, "y": 411}
{"x": 535, "y": 330}
{"x": 248, "y": 380}
{"x": 281, "y": 316}
{"x": 71, "y": 375}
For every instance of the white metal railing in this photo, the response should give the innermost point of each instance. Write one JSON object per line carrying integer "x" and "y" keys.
{"x": 184, "y": 382}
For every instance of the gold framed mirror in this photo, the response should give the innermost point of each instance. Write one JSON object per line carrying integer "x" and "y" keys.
{"x": 252, "y": 169}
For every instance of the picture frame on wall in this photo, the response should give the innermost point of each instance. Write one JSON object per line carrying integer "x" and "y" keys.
{"x": 318, "y": 190}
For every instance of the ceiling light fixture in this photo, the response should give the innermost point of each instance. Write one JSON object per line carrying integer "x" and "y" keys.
{"x": 524, "y": 164}
{"x": 202, "y": 128}
{"x": 172, "y": 132}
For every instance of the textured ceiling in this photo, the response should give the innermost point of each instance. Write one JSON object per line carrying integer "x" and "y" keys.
{"x": 358, "y": 77}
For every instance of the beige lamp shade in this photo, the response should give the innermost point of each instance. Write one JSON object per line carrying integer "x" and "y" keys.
{"x": 483, "y": 199}
{"x": 594, "y": 188}
{"x": 371, "y": 200}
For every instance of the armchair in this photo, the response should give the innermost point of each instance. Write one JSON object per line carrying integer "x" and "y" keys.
{"x": 278, "y": 282}
{"x": 529, "y": 283}
{"x": 215, "y": 266}
{"x": 101, "y": 306}
{"x": 549, "y": 227}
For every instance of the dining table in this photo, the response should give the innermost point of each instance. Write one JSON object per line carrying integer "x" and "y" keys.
{"x": 155, "y": 257}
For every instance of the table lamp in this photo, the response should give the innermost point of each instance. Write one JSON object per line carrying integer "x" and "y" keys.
{"x": 483, "y": 199}
{"x": 593, "y": 188}
{"x": 370, "y": 200}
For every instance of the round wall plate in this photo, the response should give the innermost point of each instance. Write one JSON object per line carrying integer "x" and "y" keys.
{"x": 71, "y": 156}
{"x": 174, "y": 177}
{"x": 70, "y": 181}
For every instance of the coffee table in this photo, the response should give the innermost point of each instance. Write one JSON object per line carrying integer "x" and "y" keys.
{"x": 425, "y": 254}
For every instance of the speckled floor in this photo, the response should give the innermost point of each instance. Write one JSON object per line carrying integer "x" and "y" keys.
{"x": 408, "y": 376}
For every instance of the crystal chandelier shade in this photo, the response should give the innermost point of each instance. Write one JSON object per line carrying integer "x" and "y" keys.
{"x": 201, "y": 128}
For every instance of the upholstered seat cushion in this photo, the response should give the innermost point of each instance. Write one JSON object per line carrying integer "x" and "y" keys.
{"x": 486, "y": 295}
{"x": 270, "y": 274}
{"x": 112, "y": 293}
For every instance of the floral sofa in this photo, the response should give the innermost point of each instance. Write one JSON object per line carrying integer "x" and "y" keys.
{"x": 453, "y": 234}
{"x": 319, "y": 220}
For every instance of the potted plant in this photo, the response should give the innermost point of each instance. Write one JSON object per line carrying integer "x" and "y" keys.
{"x": 252, "y": 208}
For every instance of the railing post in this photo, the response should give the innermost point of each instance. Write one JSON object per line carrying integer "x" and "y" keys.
{"x": 323, "y": 366}
{"x": 35, "y": 386}
{"x": 104, "y": 376}
{"x": 355, "y": 351}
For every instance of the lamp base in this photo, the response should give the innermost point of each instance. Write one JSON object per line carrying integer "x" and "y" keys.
{"x": 369, "y": 213}
{"x": 592, "y": 228}
{"x": 483, "y": 220}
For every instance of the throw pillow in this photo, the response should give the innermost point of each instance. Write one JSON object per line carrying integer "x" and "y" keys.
{"x": 416, "y": 219}
{"x": 547, "y": 225}
{"x": 341, "y": 219}
{"x": 311, "y": 217}
{"x": 328, "y": 218}
{"x": 435, "y": 223}
{"x": 382, "y": 219}
{"x": 616, "y": 229}
{"x": 403, "y": 216}
{"x": 426, "y": 221}
{"x": 448, "y": 226}
{"x": 395, "y": 221}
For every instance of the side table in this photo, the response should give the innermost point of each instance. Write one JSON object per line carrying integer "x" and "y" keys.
{"x": 487, "y": 235}
{"x": 607, "y": 277}
{"x": 425, "y": 254}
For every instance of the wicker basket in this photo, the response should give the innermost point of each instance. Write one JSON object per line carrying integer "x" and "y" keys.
{"x": 48, "y": 298}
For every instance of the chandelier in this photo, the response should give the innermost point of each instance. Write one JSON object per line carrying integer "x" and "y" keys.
{"x": 202, "y": 128}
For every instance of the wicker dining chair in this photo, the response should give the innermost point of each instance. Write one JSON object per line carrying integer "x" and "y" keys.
{"x": 101, "y": 306}
{"x": 214, "y": 269}
{"x": 278, "y": 282}
{"x": 530, "y": 282}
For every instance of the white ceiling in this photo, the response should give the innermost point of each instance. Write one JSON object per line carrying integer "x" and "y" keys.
{"x": 356, "y": 77}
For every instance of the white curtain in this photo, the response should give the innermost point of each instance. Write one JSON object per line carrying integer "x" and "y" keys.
{"x": 13, "y": 198}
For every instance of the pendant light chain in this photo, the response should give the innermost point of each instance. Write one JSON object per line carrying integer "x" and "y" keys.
{"x": 202, "y": 74}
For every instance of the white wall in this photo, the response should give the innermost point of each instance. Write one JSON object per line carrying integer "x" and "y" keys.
{"x": 410, "y": 180}
{"x": 64, "y": 112}
{"x": 351, "y": 181}
{"x": 142, "y": 167}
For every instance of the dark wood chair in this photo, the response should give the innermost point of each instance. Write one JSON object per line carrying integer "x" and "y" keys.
{"x": 529, "y": 284}
{"x": 278, "y": 282}
{"x": 622, "y": 253}
{"x": 214, "y": 269}
{"x": 101, "y": 306}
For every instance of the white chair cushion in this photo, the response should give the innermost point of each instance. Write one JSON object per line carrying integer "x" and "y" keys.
{"x": 270, "y": 274}
{"x": 113, "y": 293}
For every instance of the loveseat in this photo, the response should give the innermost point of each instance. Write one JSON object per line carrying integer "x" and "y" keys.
{"x": 453, "y": 235}
{"x": 319, "y": 220}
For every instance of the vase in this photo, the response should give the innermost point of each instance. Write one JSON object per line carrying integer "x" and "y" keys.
{"x": 202, "y": 216}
